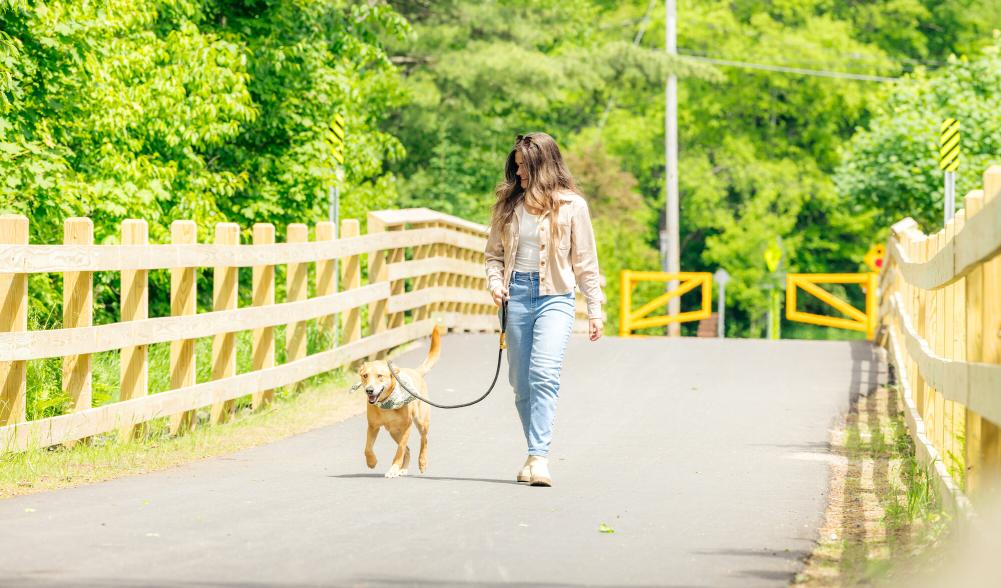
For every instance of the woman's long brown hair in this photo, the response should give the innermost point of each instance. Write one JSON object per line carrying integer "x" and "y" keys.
{"x": 547, "y": 177}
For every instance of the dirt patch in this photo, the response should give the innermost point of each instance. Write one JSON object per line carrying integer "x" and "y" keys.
{"x": 882, "y": 509}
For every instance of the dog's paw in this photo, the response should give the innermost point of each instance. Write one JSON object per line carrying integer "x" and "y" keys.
{"x": 370, "y": 460}
{"x": 395, "y": 472}
{"x": 423, "y": 466}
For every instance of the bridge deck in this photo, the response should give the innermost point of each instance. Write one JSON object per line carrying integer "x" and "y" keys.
{"x": 707, "y": 457}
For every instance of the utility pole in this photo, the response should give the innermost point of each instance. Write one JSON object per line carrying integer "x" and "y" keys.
{"x": 672, "y": 258}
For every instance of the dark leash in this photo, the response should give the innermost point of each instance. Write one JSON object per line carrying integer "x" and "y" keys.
{"x": 500, "y": 354}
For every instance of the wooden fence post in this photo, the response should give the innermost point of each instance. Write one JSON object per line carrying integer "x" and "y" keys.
{"x": 78, "y": 311}
{"x": 397, "y": 287}
{"x": 956, "y": 346}
{"x": 263, "y": 341}
{"x": 990, "y": 435}
{"x": 134, "y": 367}
{"x": 437, "y": 278}
{"x": 296, "y": 288}
{"x": 938, "y": 346}
{"x": 183, "y": 301}
{"x": 325, "y": 272}
{"x": 377, "y": 272}
{"x": 974, "y": 309}
{"x": 13, "y": 317}
{"x": 225, "y": 281}
{"x": 351, "y": 279}
{"x": 918, "y": 317}
{"x": 420, "y": 282}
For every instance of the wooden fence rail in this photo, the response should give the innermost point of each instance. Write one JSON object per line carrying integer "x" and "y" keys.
{"x": 423, "y": 267}
{"x": 940, "y": 320}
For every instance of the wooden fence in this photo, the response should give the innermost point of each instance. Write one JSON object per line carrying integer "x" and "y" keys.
{"x": 423, "y": 267}
{"x": 941, "y": 323}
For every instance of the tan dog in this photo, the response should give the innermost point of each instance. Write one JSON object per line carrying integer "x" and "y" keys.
{"x": 391, "y": 407}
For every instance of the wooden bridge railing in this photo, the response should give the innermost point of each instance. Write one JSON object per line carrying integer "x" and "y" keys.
{"x": 941, "y": 323}
{"x": 423, "y": 267}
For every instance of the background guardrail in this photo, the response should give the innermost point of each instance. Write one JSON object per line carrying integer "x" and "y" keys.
{"x": 855, "y": 319}
{"x": 630, "y": 320}
{"x": 940, "y": 319}
{"x": 422, "y": 266}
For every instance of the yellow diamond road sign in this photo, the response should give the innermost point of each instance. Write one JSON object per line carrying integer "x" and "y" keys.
{"x": 948, "y": 145}
{"x": 773, "y": 255}
{"x": 335, "y": 138}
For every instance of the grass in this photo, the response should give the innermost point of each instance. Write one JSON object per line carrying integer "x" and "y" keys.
{"x": 314, "y": 402}
{"x": 883, "y": 514}
{"x": 295, "y": 410}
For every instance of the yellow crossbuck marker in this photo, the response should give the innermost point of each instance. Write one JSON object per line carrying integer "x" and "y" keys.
{"x": 948, "y": 146}
{"x": 857, "y": 320}
{"x": 638, "y": 319}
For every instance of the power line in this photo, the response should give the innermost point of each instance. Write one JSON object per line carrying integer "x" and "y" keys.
{"x": 838, "y": 59}
{"x": 792, "y": 70}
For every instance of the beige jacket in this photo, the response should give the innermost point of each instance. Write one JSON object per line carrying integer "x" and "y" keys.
{"x": 574, "y": 261}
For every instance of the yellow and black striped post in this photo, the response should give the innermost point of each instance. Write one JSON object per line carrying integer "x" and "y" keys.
{"x": 335, "y": 138}
{"x": 948, "y": 162}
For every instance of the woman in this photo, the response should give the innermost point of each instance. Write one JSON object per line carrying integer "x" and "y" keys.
{"x": 540, "y": 244}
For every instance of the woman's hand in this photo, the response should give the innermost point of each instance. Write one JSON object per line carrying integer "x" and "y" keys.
{"x": 595, "y": 326}
{"x": 499, "y": 294}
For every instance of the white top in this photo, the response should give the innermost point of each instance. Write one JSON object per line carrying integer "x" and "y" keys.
{"x": 526, "y": 259}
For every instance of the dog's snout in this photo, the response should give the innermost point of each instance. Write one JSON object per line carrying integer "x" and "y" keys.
{"x": 370, "y": 388}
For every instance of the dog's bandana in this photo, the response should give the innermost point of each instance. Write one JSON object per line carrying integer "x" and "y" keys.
{"x": 399, "y": 398}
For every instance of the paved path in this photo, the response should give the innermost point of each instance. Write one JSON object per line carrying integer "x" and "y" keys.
{"x": 707, "y": 457}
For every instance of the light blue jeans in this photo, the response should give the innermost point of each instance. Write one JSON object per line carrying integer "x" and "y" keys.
{"x": 538, "y": 329}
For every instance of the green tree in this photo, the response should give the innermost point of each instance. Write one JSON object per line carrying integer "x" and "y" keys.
{"x": 891, "y": 168}
{"x": 211, "y": 110}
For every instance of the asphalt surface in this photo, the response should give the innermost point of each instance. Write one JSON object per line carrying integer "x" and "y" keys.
{"x": 708, "y": 458}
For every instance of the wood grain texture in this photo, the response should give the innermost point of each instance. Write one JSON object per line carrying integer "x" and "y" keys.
{"x": 51, "y": 431}
{"x": 61, "y": 342}
{"x": 78, "y": 311}
{"x": 979, "y": 241}
{"x": 296, "y": 289}
{"x": 13, "y": 318}
{"x": 225, "y": 283}
{"x": 326, "y": 270}
{"x": 377, "y": 273}
{"x": 183, "y": 302}
{"x": 350, "y": 282}
{"x": 65, "y": 258}
{"x": 134, "y": 364}
{"x": 990, "y": 433}
{"x": 974, "y": 350}
{"x": 263, "y": 295}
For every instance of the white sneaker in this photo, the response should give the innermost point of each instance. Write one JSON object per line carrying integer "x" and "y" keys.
{"x": 525, "y": 475}
{"x": 538, "y": 467}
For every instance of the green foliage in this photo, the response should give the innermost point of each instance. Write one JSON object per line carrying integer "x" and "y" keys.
{"x": 892, "y": 169}
{"x": 758, "y": 149}
{"x": 217, "y": 110}
{"x": 210, "y": 110}
{"x": 180, "y": 109}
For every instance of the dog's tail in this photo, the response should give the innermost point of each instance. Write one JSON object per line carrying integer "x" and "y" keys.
{"x": 433, "y": 353}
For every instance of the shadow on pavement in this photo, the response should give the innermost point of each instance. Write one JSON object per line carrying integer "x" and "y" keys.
{"x": 422, "y": 477}
{"x": 354, "y": 582}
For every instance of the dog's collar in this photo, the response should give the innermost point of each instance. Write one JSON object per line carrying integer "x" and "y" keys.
{"x": 399, "y": 398}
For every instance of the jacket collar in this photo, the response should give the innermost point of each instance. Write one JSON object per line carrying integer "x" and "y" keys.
{"x": 566, "y": 196}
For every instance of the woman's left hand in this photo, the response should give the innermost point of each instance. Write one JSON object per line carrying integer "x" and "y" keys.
{"x": 595, "y": 326}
